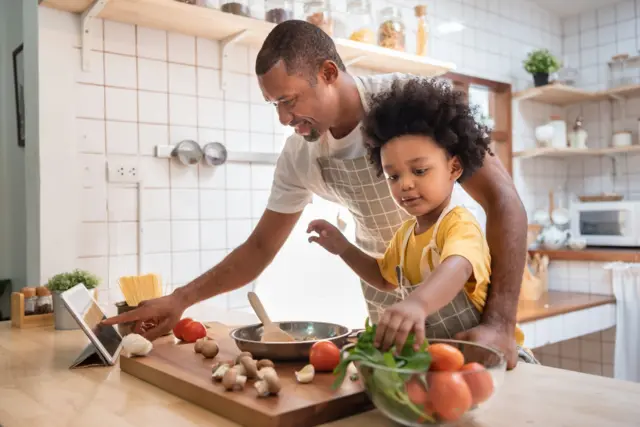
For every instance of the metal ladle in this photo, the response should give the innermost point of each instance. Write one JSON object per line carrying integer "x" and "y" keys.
{"x": 188, "y": 152}
{"x": 215, "y": 153}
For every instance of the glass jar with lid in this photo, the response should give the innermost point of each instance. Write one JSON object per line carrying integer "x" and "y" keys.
{"x": 318, "y": 13}
{"x": 236, "y": 7}
{"x": 360, "y": 22}
{"x": 391, "y": 32}
{"x": 277, "y": 11}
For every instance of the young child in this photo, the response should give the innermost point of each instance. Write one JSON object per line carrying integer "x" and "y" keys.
{"x": 423, "y": 137}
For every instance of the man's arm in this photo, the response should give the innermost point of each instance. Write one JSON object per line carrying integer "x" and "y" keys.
{"x": 244, "y": 263}
{"x": 492, "y": 187}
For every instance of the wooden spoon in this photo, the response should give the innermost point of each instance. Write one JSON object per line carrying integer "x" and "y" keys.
{"x": 271, "y": 332}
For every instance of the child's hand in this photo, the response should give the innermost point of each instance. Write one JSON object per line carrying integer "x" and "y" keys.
{"x": 329, "y": 237}
{"x": 398, "y": 321}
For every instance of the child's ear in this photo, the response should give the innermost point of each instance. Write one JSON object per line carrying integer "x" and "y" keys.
{"x": 456, "y": 168}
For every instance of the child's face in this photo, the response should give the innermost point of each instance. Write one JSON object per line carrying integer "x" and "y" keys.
{"x": 419, "y": 173}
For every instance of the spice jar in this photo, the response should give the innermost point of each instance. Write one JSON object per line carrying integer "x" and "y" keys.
{"x": 44, "y": 303}
{"x": 29, "y": 300}
{"x": 238, "y": 7}
{"x": 360, "y": 22}
{"x": 318, "y": 13}
{"x": 422, "y": 35}
{"x": 278, "y": 11}
{"x": 391, "y": 33}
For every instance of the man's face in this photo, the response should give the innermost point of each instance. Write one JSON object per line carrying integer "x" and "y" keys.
{"x": 310, "y": 109}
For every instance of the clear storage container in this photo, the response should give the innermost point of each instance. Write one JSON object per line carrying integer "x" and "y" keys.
{"x": 236, "y": 7}
{"x": 422, "y": 33}
{"x": 318, "y": 13}
{"x": 360, "y": 22}
{"x": 392, "y": 32}
{"x": 277, "y": 11}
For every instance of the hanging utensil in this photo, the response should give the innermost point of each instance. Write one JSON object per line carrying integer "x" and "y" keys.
{"x": 188, "y": 152}
{"x": 215, "y": 154}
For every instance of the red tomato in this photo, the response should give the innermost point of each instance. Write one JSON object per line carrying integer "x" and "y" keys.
{"x": 479, "y": 380}
{"x": 445, "y": 357}
{"x": 324, "y": 356}
{"x": 179, "y": 328}
{"x": 449, "y": 395}
{"x": 417, "y": 392}
{"x": 193, "y": 332}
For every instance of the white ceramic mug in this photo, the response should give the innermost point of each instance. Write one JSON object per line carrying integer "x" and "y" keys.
{"x": 621, "y": 139}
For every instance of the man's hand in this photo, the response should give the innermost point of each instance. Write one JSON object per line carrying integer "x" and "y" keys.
{"x": 153, "y": 318}
{"x": 496, "y": 337}
{"x": 329, "y": 237}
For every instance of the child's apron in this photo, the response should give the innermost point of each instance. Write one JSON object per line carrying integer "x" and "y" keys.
{"x": 457, "y": 316}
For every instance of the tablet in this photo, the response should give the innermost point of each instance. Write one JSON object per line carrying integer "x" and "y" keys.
{"x": 106, "y": 339}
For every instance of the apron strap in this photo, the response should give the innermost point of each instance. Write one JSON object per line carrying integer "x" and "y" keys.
{"x": 433, "y": 246}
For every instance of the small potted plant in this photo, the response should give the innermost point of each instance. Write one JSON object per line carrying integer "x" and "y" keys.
{"x": 540, "y": 63}
{"x": 60, "y": 283}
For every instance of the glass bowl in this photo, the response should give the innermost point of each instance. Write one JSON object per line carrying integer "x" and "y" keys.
{"x": 443, "y": 398}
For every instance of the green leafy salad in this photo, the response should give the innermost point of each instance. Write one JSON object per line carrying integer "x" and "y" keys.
{"x": 387, "y": 387}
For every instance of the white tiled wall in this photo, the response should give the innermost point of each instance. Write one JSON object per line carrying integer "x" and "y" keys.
{"x": 580, "y": 276}
{"x": 148, "y": 87}
{"x": 589, "y": 41}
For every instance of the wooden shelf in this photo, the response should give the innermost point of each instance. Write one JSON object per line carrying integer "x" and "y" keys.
{"x": 555, "y": 94}
{"x": 554, "y": 303}
{"x": 563, "y": 95}
{"x": 214, "y": 24}
{"x": 569, "y": 152}
{"x": 591, "y": 254}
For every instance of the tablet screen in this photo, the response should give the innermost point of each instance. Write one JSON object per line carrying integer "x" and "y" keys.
{"x": 92, "y": 315}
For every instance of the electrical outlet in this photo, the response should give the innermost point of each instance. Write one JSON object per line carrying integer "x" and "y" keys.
{"x": 124, "y": 170}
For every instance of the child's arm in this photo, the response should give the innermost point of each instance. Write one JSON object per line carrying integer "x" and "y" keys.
{"x": 365, "y": 266}
{"x": 444, "y": 283}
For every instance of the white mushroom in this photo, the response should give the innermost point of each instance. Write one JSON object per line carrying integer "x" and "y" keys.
{"x": 265, "y": 363}
{"x": 199, "y": 344}
{"x": 241, "y": 355}
{"x": 264, "y": 370}
{"x": 269, "y": 384}
{"x": 209, "y": 349}
{"x": 249, "y": 365}
{"x": 306, "y": 374}
{"x": 232, "y": 380}
{"x": 136, "y": 345}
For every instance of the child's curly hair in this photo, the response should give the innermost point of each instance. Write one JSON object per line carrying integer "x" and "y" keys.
{"x": 429, "y": 107}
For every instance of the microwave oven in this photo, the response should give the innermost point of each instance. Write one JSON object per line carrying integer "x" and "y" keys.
{"x": 607, "y": 223}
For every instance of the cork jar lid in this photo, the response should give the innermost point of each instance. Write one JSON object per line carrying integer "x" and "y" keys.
{"x": 28, "y": 292}
{"x": 420, "y": 10}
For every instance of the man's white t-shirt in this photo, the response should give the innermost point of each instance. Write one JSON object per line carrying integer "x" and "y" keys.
{"x": 298, "y": 176}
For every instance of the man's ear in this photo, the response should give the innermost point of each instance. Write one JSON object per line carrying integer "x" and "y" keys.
{"x": 456, "y": 168}
{"x": 329, "y": 72}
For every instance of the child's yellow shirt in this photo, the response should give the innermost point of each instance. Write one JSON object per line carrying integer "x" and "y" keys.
{"x": 459, "y": 233}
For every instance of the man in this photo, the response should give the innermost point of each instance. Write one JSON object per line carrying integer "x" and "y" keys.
{"x": 301, "y": 73}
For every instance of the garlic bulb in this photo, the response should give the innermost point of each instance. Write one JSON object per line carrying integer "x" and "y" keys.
{"x": 136, "y": 345}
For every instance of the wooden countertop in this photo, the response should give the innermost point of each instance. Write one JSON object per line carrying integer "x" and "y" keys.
{"x": 553, "y": 303}
{"x": 599, "y": 254}
{"x": 37, "y": 388}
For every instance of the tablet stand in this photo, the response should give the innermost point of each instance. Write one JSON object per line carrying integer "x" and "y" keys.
{"x": 90, "y": 356}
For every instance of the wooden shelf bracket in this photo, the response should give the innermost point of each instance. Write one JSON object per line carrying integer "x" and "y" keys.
{"x": 87, "y": 17}
{"x": 225, "y": 45}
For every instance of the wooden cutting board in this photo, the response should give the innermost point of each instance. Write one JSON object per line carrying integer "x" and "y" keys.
{"x": 177, "y": 369}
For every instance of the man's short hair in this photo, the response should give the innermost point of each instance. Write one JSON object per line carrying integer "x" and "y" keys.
{"x": 302, "y": 46}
